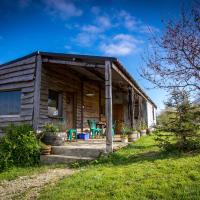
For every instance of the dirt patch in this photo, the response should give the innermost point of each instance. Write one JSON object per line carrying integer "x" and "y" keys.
{"x": 28, "y": 187}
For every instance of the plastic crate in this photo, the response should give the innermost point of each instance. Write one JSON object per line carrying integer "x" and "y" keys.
{"x": 83, "y": 136}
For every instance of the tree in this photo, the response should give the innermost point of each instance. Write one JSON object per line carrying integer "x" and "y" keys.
{"x": 182, "y": 120}
{"x": 173, "y": 59}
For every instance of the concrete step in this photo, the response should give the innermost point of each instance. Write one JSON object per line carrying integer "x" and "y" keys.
{"x": 77, "y": 151}
{"x": 60, "y": 159}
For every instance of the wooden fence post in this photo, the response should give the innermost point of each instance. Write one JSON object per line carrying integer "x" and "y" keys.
{"x": 108, "y": 99}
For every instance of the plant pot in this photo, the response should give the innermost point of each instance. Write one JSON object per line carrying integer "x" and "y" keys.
{"x": 124, "y": 139}
{"x": 133, "y": 136}
{"x": 143, "y": 132}
{"x": 54, "y": 140}
{"x": 46, "y": 150}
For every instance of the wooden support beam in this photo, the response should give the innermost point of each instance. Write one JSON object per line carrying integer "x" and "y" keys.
{"x": 128, "y": 81}
{"x": 72, "y": 63}
{"x": 108, "y": 99}
{"x": 36, "y": 111}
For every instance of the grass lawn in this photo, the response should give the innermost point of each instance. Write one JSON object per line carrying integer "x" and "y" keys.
{"x": 140, "y": 171}
{"x": 15, "y": 172}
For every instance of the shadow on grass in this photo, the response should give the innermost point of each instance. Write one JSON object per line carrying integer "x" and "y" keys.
{"x": 127, "y": 157}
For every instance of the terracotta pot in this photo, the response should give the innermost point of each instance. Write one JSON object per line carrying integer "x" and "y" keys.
{"x": 143, "y": 132}
{"x": 46, "y": 150}
{"x": 124, "y": 139}
{"x": 133, "y": 136}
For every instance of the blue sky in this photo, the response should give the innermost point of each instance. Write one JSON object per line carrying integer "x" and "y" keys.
{"x": 111, "y": 28}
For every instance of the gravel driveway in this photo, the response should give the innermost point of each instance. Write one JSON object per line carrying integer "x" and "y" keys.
{"x": 28, "y": 187}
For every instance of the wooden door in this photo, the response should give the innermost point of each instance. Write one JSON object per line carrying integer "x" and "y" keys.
{"x": 118, "y": 116}
{"x": 69, "y": 110}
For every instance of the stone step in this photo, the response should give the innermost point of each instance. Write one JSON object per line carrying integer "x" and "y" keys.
{"x": 61, "y": 159}
{"x": 77, "y": 151}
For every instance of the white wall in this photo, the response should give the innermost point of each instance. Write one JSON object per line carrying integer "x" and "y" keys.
{"x": 151, "y": 121}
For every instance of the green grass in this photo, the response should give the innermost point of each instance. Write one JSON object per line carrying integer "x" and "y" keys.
{"x": 140, "y": 171}
{"x": 16, "y": 172}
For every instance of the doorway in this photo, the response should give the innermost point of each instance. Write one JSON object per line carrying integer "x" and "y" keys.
{"x": 118, "y": 117}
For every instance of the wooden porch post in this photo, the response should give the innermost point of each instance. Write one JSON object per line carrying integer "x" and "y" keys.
{"x": 108, "y": 99}
{"x": 36, "y": 109}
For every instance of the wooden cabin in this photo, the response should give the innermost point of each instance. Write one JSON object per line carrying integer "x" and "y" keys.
{"x": 52, "y": 87}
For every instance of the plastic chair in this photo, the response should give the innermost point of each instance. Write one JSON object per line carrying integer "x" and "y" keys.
{"x": 70, "y": 134}
{"x": 93, "y": 128}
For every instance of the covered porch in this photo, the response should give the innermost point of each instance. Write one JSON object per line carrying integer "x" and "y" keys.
{"x": 75, "y": 89}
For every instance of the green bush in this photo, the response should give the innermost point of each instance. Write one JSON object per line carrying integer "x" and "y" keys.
{"x": 18, "y": 147}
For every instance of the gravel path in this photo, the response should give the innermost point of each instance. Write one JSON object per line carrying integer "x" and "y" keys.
{"x": 28, "y": 187}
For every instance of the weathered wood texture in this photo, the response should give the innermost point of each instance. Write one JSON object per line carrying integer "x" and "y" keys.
{"x": 91, "y": 103}
{"x": 108, "y": 98}
{"x": 19, "y": 76}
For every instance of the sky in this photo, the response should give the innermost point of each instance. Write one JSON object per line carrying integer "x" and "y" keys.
{"x": 117, "y": 28}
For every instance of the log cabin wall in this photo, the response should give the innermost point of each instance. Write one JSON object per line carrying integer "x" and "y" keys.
{"x": 59, "y": 79}
{"x": 91, "y": 104}
{"x": 19, "y": 75}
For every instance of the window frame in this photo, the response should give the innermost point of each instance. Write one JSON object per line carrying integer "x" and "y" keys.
{"x": 20, "y": 100}
{"x": 60, "y": 104}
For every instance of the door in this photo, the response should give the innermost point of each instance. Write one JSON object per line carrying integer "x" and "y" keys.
{"x": 118, "y": 117}
{"x": 69, "y": 110}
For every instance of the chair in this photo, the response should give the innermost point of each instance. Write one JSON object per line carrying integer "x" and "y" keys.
{"x": 93, "y": 128}
{"x": 113, "y": 129}
{"x": 70, "y": 134}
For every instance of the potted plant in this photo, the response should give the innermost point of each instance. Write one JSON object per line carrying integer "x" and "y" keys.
{"x": 124, "y": 133}
{"x": 143, "y": 128}
{"x": 52, "y": 135}
{"x": 132, "y": 135}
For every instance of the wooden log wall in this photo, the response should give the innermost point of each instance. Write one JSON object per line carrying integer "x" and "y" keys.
{"x": 91, "y": 103}
{"x": 19, "y": 76}
{"x": 59, "y": 79}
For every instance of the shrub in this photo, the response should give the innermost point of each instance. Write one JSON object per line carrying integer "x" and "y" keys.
{"x": 50, "y": 129}
{"x": 182, "y": 121}
{"x": 18, "y": 147}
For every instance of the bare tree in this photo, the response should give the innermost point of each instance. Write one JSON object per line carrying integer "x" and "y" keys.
{"x": 173, "y": 59}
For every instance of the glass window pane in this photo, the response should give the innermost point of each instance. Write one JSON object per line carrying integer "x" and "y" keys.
{"x": 10, "y": 102}
{"x": 53, "y": 103}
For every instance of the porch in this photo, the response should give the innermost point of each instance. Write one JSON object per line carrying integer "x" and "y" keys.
{"x": 74, "y": 89}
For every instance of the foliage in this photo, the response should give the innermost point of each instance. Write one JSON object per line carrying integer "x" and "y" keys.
{"x": 173, "y": 58}
{"x": 140, "y": 172}
{"x": 18, "y": 147}
{"x": 182, "y": 120}
{"x": 142, "y": 125}
{"x": 50, "y": 129}
{"x": 125, "y": 129}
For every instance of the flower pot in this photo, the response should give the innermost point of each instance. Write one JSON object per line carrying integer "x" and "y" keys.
{"x": 46, "y": 150}
{"x": 124, "y": 139}
{"x": 54, "y": 140}
{"x": 143, "y": 133}
{"x": 133, "y": 136}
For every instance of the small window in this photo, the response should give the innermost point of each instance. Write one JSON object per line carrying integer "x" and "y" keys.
{"x": 54, "y": 109}
{"x": 10, "y": 102}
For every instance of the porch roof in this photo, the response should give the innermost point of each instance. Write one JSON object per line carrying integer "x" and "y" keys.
{"x": 89, "y": 59}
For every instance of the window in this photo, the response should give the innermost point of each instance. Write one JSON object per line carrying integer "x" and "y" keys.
{"x": 10, "y": 102}
{"x": 54, "y": 104}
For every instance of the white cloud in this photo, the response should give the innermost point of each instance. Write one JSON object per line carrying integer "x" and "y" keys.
{"x": 127, "y": 20}
{"x": 104, "y": 21}
{"x": 84, "y": 39}
{"x": 148, "y": 29}
{"x": 121, "y": 45}
{"x": 62, "y": 8}
{"x": 91, "y": 29}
